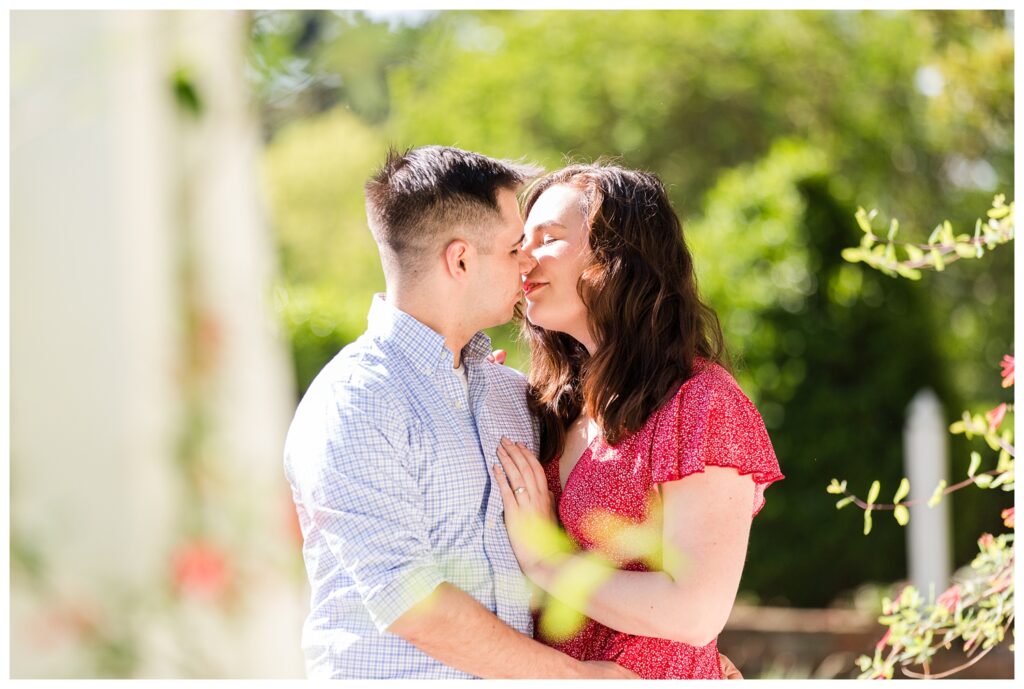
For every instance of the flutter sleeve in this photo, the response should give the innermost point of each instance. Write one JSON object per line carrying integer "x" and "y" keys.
{"x": 711, "y": 422}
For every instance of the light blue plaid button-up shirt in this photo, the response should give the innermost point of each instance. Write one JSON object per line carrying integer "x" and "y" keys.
{"x": 390, "y": 474}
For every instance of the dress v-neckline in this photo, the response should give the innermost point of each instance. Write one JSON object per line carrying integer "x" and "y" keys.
{"x": 558, "y": 469}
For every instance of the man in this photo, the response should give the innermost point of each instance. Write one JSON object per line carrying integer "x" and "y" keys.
{"x": 388, "y": 456}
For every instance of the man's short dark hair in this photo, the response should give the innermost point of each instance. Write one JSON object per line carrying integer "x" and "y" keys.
{"x": 424, "y": 197}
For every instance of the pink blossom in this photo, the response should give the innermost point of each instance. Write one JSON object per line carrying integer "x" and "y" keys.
{"x": 200, "y": 569}
{"x": 995, "y": 417}
{"x": 1007, "y": 365}
{"x": 986, "y": 540}
{"x": 949, "y": 598}
{"x": 1007, "y": 516}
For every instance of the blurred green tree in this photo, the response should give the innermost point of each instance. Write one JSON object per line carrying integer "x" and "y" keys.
{"x": 767, "y": 127}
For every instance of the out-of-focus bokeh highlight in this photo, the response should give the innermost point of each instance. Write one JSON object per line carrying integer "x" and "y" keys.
{"x": 189, "y": 248}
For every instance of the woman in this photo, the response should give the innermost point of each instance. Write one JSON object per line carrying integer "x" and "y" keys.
{"x": 651, "y": 456}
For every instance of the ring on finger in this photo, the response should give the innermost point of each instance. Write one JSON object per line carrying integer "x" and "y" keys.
{"x": 519, "y": 490}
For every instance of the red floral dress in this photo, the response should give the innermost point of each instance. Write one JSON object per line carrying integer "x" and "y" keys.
{"x": 709, "y": 421}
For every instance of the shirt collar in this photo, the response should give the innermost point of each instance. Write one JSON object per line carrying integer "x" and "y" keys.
{"x": 419, "y": 342}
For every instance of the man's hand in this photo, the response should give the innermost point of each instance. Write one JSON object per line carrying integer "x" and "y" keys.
{"x": 606, "y": 669}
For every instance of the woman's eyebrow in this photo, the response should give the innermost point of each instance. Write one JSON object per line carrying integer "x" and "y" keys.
{"x": 546, "y": 224}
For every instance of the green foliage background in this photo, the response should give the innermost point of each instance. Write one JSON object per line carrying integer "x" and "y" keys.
{"x": 769, "y": 129}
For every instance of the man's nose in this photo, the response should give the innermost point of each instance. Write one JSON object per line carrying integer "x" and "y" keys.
{"x": 526, "y": 260}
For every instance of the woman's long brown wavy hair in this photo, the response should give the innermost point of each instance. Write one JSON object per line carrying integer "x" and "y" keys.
{"x": 643, "y": 308}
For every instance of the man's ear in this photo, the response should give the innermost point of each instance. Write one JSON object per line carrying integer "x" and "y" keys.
{"x": 455, "y": 256}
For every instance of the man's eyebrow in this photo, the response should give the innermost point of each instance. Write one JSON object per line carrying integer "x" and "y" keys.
{"x": 519, "y": 241}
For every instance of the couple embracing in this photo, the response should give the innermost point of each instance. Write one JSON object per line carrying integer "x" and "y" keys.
{"x": 433, "y": 485}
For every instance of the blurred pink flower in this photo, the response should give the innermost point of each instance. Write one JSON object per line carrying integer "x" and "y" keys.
{"x": 949, "y": 598}
{"x": 1007, "y": 516}
{"x": 986, "y": 540}
{"x": 1007, "y": 365}
{"x": 200, "y": 569}
{"x": 995, "y": 417}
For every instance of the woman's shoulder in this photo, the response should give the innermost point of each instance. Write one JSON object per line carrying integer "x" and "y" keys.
{"x": 710, "y": 382}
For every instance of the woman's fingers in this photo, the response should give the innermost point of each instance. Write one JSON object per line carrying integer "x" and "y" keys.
{"x": 512, "y": 473}
{"x": 507, "y": 498}
{"x": 535, "y": 467}
{"x": 526, "y": 476}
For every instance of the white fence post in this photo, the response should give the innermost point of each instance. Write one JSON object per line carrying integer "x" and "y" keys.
{"x": 926, "y": 461}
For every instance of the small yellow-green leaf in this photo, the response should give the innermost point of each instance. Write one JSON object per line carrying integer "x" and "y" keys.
{"x": 867, "y": 522}
{"x": 975, "y": 463}
{"x": 940, "y": 264}
{"x": 907, "y": 272}
{"x": 902, "y": 514}
{"x": 983, "y": 480}
{"x": 937, "y": 495}
{"x": 914, "y": 253}
{"x": 902, "y": 491}
{"x": 862, "y": 220}
{"x": 957, "y": 427}
{"x": 947, "y": 233}
{"x": 1001, "y": 479}
{"x": 834, "y": 488}
{"x": 873, "y": 492}
{"x": 965, "y": 250}
{"x": 852, "y": 255}
{"x": 844, "y": 502}
{"x": 894, "y": 227}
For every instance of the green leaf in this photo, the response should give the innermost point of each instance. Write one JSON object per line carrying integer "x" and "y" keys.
{"x": 863, "y": 221}
{"x": 890, "y": 252}
{"x": 947, "y": 233}
{"x": 975, "y": 463}
{"x": 934, "y": 236}
{"x": 965, "y": 251}
{"x": 940, "y": 264}
{"x": 867, "y": 522}
{"x": 902, "y": 514}
{"x": 1001, "y": 479}
{"x": 894, "y": 227}
{"x": 914, "y": 253}
{"x": 853, "y": 255}
{"x": 937, "y": 495}
{"x": 983, "y": 480}
{"x": 907, "y": 272}
{"x": 902, "y": 491}
{"x": 844, "y": 502}
{"x": 957, "y": 427}
{"x": 873, "y": 492}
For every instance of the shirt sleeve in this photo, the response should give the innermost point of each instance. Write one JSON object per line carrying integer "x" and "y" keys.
{"x": 711, "y": 422}
{"x": 355, "y": 491}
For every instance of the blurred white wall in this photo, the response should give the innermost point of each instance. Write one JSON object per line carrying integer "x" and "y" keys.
{"x": 113, "y": 186}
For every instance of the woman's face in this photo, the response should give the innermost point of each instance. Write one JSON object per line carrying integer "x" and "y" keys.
{"x": 557, "y": 239}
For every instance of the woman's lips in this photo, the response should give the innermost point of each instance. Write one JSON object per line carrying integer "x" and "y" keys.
{"x": 530, "y": 287}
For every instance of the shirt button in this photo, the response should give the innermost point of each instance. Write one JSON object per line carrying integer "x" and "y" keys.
{"x": 458, "y": 404}
{"x": 490, "y": 523}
